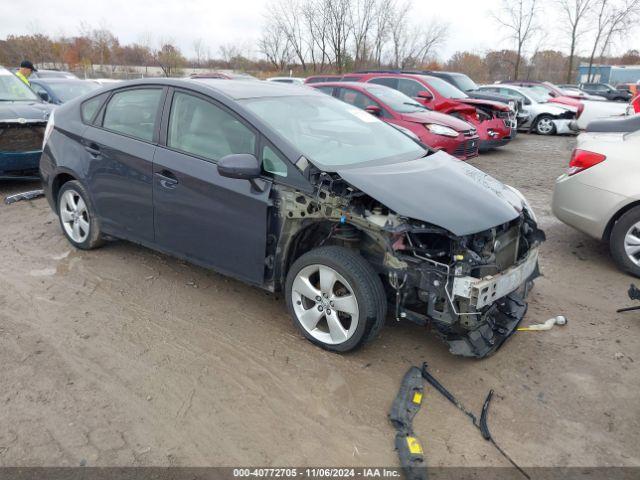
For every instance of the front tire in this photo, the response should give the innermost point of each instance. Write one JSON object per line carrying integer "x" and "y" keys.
{"x": 544, "y": 125}
{"x": 624, "y": 242}
{"x": 77, "y": 216}
{"x": 336, "y": 299}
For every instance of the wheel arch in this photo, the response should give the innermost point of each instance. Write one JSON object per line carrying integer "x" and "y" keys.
{"x": 58, "y": 181}
{"x": 606, "y": 236}
{"x": 312, "y": 235}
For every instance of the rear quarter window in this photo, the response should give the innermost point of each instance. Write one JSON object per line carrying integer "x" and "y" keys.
{"x": 89, "y": 108}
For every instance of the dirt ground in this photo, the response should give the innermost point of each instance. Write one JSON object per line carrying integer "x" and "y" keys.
{"x": 122, "y": 356}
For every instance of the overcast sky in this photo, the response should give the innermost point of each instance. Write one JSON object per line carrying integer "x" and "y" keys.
{"x": 219, "y": 22}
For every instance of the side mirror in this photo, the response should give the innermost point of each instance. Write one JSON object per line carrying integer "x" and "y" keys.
{"x": 425, "y": 94}
{"x": 527, "y": 101}
{"x": 44, "y": 96}
{"x": 374, "y": 110}
{"x": 244, "y": 166}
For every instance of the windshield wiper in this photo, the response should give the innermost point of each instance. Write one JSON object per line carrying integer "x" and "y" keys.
{"x": 411, "y": 104}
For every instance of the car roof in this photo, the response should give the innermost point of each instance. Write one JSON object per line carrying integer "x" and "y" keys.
{"x": 55, "y": 80}
{"x": 235, "y": 89}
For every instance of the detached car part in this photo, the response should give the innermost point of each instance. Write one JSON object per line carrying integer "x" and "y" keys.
{"x": 404, "y": 408}
{"x": 23, "y": 196}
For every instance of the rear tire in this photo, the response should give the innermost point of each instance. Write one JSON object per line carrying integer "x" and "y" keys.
{"x": 624, "y": 242}
{"x": 544, "y": 125}
{"x": 77, "y": 216}
{"x": 336, "y": 299}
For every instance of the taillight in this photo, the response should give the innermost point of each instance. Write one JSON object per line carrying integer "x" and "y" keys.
{"x": 583, "y": 159}
{"x": 580, "y": 110}
{"x": 48, "y": 129}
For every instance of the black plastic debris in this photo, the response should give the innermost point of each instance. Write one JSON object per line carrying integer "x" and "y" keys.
{"x": 403, "y": 410}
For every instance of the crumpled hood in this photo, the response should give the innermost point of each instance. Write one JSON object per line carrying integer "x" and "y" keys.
{"x": 441, "y": 190}
{"x": 485, "y": 103}
{"x": 29, "y": 111}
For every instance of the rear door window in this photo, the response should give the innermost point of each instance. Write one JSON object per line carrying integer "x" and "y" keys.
{"x": 327, "y": 90}
{"x": 199, "y": 127}
{"x": 410, "y": 88}
{"x": 386, "y": 81}
{"x": 355, "y": 98}
{"x": 133, "y": 112}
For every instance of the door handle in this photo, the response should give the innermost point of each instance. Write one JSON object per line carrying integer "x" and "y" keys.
{"x": 93, "y": 150}
{"x": 167, "y": 179}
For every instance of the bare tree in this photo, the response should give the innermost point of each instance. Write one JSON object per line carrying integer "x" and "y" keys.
{"x": 200, "y": 51}
{"x": 362, "y": 17}
{"x": 621, "y": 21}
{"x": 316, "y": 20}
{"x": 287, "y": 14}
{"x": 519, "y": 17}
{"x": 274, "y": 45}
{"x": 339, "y": 30}
{"x": 573, "y": 15}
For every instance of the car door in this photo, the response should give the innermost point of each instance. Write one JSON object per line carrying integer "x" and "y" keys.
{"x": 211, "y": 220}
{"x": 120, "y": 148}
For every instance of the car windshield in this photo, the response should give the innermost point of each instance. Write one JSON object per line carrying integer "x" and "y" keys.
{"x": 12, "y": 89}
{"x": 464, "y": 83}
{"x": 332, "y": 133}
{"x": 396, "y": 100}
{"x": 445, "y": 88}
{"x": 66, "y": 91}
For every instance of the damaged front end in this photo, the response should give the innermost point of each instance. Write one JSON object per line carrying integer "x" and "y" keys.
{"x": 470, "y": 289}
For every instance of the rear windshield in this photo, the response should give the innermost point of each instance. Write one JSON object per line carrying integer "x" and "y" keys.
{"x": 464, "y": 83}
{"x": 331, "y": 133}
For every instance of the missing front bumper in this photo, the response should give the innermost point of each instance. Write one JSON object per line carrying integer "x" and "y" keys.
{"x": 502, "y": 320}
{"x": 482, "y": 292}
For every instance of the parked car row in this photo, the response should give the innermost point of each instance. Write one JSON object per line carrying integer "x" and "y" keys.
{"x": 495, "y": 122}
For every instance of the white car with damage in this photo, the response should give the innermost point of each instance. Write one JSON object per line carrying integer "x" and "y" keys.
{"x": 543, "y": 117}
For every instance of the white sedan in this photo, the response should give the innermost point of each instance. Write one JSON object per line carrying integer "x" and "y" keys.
{"x": 600, "y": 193}
{"x": 543, "y": 117}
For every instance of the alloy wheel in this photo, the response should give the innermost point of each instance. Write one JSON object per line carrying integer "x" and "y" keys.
{"x": 74, "y": 216}
{"x": 325, "y": 304}
{"x": 545, "y": 126}
{"x": 632, "y": 243}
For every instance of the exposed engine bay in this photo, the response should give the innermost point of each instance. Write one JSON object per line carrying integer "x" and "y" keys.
{"x": 469, "y": 289}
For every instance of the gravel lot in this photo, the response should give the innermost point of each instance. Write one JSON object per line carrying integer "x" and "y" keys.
{"x": 122, "y": 356}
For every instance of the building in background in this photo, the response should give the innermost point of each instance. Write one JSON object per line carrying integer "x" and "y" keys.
{"x": 611, "y": 74}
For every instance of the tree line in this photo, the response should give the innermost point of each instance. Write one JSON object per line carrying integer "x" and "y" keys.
{"x": 334, "y": 36}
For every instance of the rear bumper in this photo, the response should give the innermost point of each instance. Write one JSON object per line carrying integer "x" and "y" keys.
{"x": 19, "y": 164}
{"x": 584, "y": 207}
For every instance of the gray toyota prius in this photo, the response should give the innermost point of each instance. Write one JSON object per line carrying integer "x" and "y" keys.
{"x": 291, "y": 190}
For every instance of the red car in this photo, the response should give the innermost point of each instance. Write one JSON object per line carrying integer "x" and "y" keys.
{"x": 555, "y": 94}
{"x": 437, "y": 130}
{"x": 635, "y": 103}
{"x": 494, "y": 121}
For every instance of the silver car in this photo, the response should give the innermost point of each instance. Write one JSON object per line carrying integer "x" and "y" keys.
{"x": 542, "y": 117}
{"x": 600, "y": 192}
